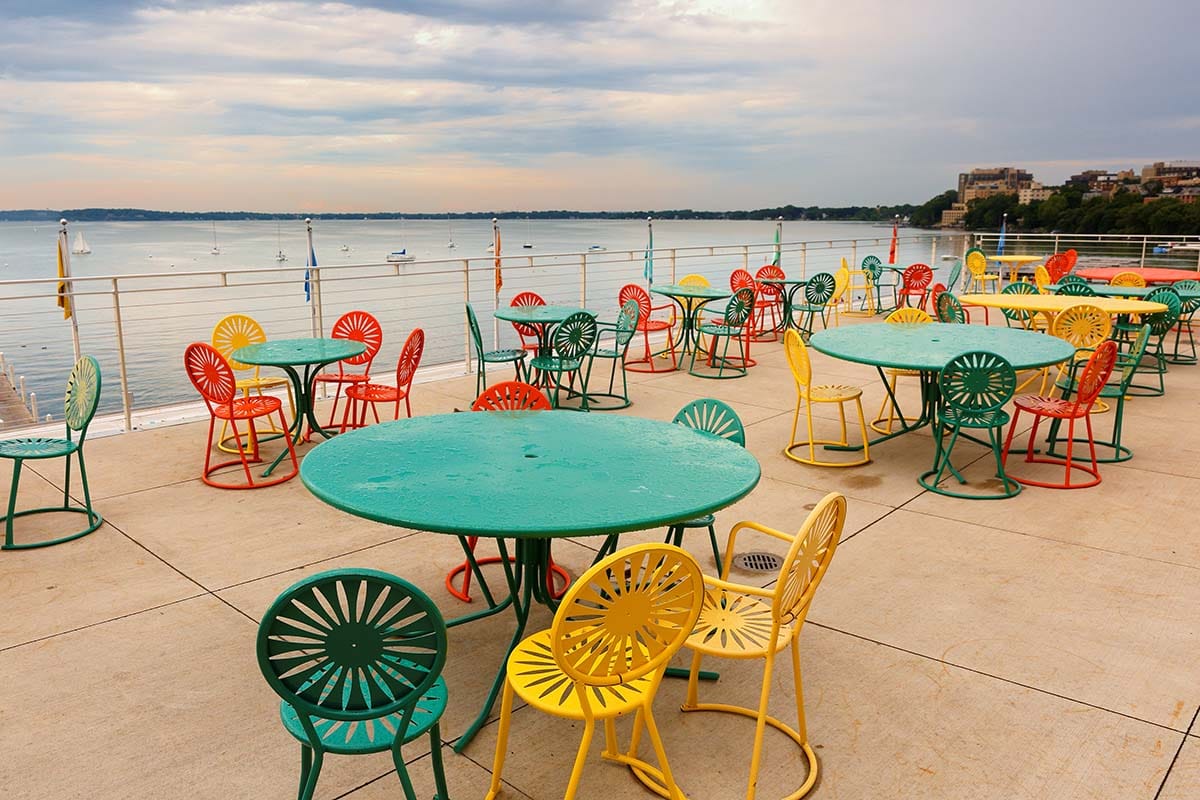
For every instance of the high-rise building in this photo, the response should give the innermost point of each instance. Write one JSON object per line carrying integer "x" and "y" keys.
{"x": 985, "y": 182}
{"x": 1169, "y": 173}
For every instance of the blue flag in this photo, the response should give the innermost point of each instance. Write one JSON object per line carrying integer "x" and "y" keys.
{"x": 312, "y": 262}
{"x": 1000, "y": 246}
{"x": 648, "y": 269}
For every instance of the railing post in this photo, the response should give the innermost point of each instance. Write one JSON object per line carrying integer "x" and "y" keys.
{"x": 1143, "y": 251}
{"x": 125, "y": 399}
{"x": 933, "y": 252}
{"x": 583, "y": 280}
{"x": 1056, "y": 242}
{"x": 672, "y": 265}
{"x": 33, "y": 409}
{"x": 746, "y": 257}
{"x": 466, "y": 266}
{"x": 803, "y": 259}
{"x": 854, "y": 254}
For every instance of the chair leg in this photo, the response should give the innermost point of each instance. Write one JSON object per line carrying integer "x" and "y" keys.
{"x": 506, "y": 704}
{"x": 435, "y": 757}
{"x": 712, "y": 539}
{"x": 760, "y": 726}
{"x": 12, "y": 503}
{"x": 310, "y": 770}
{"x": 589, "y": 729}
{"x": 401, "y": 770}
{"x": 660, "y": 752}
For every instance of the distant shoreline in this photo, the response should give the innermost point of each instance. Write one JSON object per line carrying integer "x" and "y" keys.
{"x": 785, "y": 214}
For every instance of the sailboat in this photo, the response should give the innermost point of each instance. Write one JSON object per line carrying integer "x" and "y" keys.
{"x": 279, "y": 243}
{"x": 80, "y": 248}
{"x": 402, "y": 255}
{"x": 216, "y": 251}
{"x": 528, "y": 244}
{"x": 450, "y": 245}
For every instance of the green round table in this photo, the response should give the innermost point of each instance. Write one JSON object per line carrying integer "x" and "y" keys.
{"x": 929, "y": 346}
{"x": 531, "y": 477}
{"x": 288, "y": 354}
{"x": 690, "y": 299}
{"x": 544, "y": 317}
{"x": 1104, "y": 290}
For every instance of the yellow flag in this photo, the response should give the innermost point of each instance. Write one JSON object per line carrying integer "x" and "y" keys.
{"x": 64, "y": 302}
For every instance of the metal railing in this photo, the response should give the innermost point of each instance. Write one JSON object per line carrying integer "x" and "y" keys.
{"x": 137, "y": 325}
{"x": 1133, "y": 250}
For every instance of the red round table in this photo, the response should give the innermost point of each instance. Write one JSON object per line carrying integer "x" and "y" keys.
{"x": 1151, "y": 274}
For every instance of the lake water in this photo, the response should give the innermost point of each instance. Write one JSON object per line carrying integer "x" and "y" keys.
{"x": 162, "y": 317}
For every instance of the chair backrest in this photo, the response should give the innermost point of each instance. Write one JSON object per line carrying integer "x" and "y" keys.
{"x": 83, "y": 395}
{"x": 351, "y": 644}
{"x": 797, "y": 357}
{"x": 908, "y": 315}
{"x": 527, "y": 329}
{"x": 512, "y": 396}
{"x": 808, "y": 560}
{"x": 712, "y": 416}
{"x": 576, "y": 335}
{"x": 976, "y": 261}
{"x": 739, "y": 308}
{"x": 1163, "y": 321}
{"x": 949, "y": 309}
{"x": 1095, "y": 374}
{"x": 1071, "y": 257}
{"x": 916, "y": 277}
{"x": 1076, "y": 288}
{"x": 360, "y": 327}
{"x": 740, "y": 279}
{"x": 626, "y": 617}
{"x": 1072, "y": 279}
{"x": 769, "y": 291}
{"x": 872, "y": 266}
{"x": 1189, "y": 305}
{"x": 1082, "y": 325}
{"x": 1020, "y": 287}
{"x": 1057, "y": 266}
{"x": 476, "y": 337}
{"x": 935, "y": 290}
{"x": 841, "y": 281}
{"x": 1041, "y": 279}
{"x": 977, "y": 383}
{"x": 210, "y": 373}
{"x": 819, "y": 289}
{"x": 410, "y": 358}
{"x": 1127, "y": 279}
{"x": 631, "y": 291}
{"x": 234, "y": 331}
{"x": 955, "y": 275}
{"x": 627, "y": 323}
{"x": 693, "y": 280}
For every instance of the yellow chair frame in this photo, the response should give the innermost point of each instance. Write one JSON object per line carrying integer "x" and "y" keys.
{"x": 605, "y": 655}
{"x": 798, "y": 360}
{"x": 747, "y": 622}
{"x": 839, "y": 298}
{"x": 1084, "y": 327}
{"x": 1041, "y": 279}
{"x": 906, "y": 315}
{"x": 976, "y": 263}
{"x": 230, "y": 333}
{"x": 1131, "y": 279}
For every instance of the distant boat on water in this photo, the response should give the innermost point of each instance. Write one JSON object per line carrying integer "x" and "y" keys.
{"x": 345, "y": 248}
{"x": 597, "y": 248}
{"x": 399, "y": 256}
{"x": 528, "y": 244}
{"x": 80, "y": 248}
{"x": 279, "y": 256}
{"x": 450, "y": 245}
{"x": 216, "y": 251}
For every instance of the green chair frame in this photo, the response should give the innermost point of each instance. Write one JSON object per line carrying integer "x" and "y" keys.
{"x": 949, "y": 309}
{"x": 516, "y": 356}
{"x": 708, "y": 416}
{"x": 83, "y": 395}
{"x": 1075, "y": 288}
{"x": 955, "y": 276}
{"x": 571, "y": 343}
{"x": 1071, "y": 278}
{"x": 1160, "y": 324}
{"x": 356, "y": 657}
{"x": 1115, "y": 391}
{"x": 818, "y": 291}
{"x": 1187, "y": 310}
{"x": 974, "y": 388}
{"x": 1011, "y": 315}
{"x": 875, "y": 270}
{"x": 622, "y": 332}
{"x": 733, "y": 326}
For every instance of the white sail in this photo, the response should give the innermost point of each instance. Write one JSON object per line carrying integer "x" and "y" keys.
{"x": 80, "y": 248}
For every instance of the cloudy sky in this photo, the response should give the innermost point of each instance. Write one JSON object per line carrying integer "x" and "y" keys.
{"x": 452, "y": 105}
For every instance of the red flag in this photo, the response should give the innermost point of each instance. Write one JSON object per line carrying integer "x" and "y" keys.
{"x": 892, "y": 249}
{"x": 496, "y": 248}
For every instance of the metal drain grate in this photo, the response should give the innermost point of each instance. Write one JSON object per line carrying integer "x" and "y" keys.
{"x": 758, "y": 562}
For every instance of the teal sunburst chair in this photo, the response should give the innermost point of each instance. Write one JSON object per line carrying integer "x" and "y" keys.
{"x": 1187, "y": 310}
{"x": 1154, "y": 362}
{"x": 356, "y": 657}
{"x": 571, "y": 345}
{"x": 516, "y": 356}
{"x": 614, "y": 350}
{"x": 818, "y": 290}
{"x": 732, "y": 327}
{"x": 83, "y": 394}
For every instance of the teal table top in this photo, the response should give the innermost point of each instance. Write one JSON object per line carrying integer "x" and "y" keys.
{"x": 290, "y": 352}
{"x": 539, "y": 314}
{"x": 1104, "y": 290}
{"x": 784, "y": 281}
{"x": 529, "y": 473}
{"x": 690, "y": 291}
{"x": 929, "y": 346}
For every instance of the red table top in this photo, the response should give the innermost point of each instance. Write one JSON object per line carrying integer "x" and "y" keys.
{"x": 1149, "y": 273}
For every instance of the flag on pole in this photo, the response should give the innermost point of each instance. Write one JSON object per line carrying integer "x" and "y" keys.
{"x": 648, "y": 268}
{"x": 64, "y": 272}
{"x": 895, "y": 242}
{"x": 1000, "y": 245}
{"x": 312, "y": 262}
{"x": 778, "y": 242}
{"x": 496, "y": 253}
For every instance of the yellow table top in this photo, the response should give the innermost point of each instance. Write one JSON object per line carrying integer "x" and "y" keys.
{"x": 1015, "y": 259}
{"x": 1054, "y": 303}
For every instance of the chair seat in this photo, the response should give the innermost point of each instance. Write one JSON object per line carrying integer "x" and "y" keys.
{"x": 37, "y": 447}
{"x": 556, "y": 364}
{"x": 537, "y": 679}
{"x": 736, "y": 626}
{"x": 332, "y": 377}
{"x": 374, "y": 393}
{"x": 500, "y": 356}
{"x": 370, "y": 736}
{"x": 961, "y": 418}
{"x": 248, "y": 407}
{"x": 986, "y": 277}
{"x": 262, "y": 382}
{"x": 653, "y": 325}
{"x": 806, "y": 308}
{"x": 721, "y": 330}
{"x": 906, "y": 291}
{"x": 1048, "y": 406}
{"x": 832, "y": 393}
{"x": 603, "y": 353}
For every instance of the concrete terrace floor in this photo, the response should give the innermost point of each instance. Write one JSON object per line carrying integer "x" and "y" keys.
{"x": 1039, "y": 647}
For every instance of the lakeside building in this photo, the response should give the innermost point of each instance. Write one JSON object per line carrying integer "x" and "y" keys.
{"x": 1170, "y": 173}
{"x": 986, "y": 182}
{"x": 1034, "y": 191}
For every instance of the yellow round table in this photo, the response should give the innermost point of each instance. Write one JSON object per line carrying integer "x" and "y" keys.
{"x": 1051, "y": 304}
{"x": 1014, "y": 263}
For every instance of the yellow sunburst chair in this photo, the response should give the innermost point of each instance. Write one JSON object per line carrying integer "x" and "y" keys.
{"x": 806, "y": 395}
{"x": 239, "y": 330}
